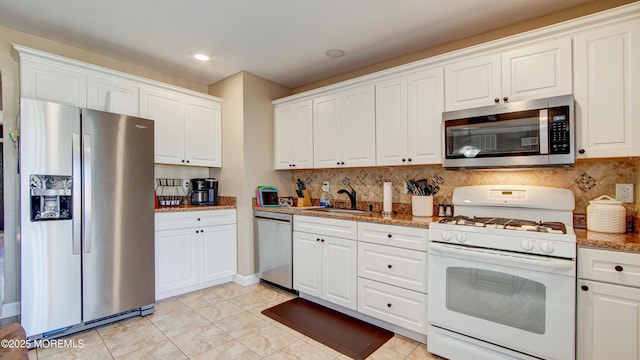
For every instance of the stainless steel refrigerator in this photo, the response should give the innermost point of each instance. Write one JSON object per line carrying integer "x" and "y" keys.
{"x": 86, "y": 218}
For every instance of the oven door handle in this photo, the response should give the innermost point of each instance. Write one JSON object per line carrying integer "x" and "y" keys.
{"x": 485, "y": 254}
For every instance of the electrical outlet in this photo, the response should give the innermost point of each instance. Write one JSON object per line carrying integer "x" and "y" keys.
{"x": 325, "y": 186}
{"x": 185, "y": 185}
{"x": 624, "y": 193}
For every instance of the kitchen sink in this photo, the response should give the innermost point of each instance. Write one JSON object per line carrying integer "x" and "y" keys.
{"x": 342, "y": 211}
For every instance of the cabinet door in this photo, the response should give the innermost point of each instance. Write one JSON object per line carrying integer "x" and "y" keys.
{"x": 472, "y": 83}
{"x": 203, "y": 139}
{"x": 339, "y": 271}
{"x": 307, "y": 264}
{"x": 537, "y": 71}
{"x": 167, "y": 111}
{"x": 607, "y": 78}
{"x": 424, "y": 120}
{"x": 327, "y": 151}
{"x": 608, "y": 321}
{"x": 217, "y": 252}
{"x": 44, "y": 81}
{"x": 294, "y": 136}
{"x": 112, "y": 94}
{"x": 358, "y": 126}
{"x": 284, "y": 133}
{"x": 391, "y": 122}
{"x": 303, "y": 136}
{"x": 176, "y": 257}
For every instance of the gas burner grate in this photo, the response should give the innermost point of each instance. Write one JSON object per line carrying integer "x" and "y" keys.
{"x": 506, "y": 223}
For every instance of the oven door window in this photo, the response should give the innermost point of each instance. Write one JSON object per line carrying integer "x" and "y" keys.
{"x": 493, "y": 136}
{"x": 497, "y": 297}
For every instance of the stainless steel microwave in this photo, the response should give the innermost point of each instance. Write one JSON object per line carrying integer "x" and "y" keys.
{"x": 528, "y": 133}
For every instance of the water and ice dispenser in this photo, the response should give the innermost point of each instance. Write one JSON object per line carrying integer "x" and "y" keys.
{"x": 51, "y": 197}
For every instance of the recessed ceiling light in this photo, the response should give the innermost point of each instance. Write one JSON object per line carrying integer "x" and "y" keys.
{"x": 201, "y": 57}
{"x": 334, "y": 53}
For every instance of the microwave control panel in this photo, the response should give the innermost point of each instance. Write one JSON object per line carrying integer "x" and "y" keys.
{"x": 559, "y": 131}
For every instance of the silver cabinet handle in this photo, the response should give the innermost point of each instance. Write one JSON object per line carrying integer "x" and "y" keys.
{"x": 86, "y": 159}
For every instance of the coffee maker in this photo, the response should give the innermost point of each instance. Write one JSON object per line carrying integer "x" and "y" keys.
{"x": 204, "y": 191}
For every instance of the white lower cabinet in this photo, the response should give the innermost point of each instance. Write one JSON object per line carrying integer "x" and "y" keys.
{"x": 392, "y": 274}
{"x": 401, "y": 307}
{"x": 608, "y": 305}
{"x": 194, "y": 250}
{"x": 324, "y": 266}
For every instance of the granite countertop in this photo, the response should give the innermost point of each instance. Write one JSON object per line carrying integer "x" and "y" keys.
{"x": 182, "y": 208}
{"x": 374, "y": 217}
{"x": 607, "y": 241}
{"x": 584, "y": 238}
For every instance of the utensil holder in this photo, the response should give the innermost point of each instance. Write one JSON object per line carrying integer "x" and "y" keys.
{"x": 422, "y": 205}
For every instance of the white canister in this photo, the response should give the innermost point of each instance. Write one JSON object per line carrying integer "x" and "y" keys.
{"x": 606, "y": 214}
{"x": 422, "y": 205}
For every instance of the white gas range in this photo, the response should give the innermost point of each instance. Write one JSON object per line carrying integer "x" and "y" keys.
{"x": 502, "y": 275}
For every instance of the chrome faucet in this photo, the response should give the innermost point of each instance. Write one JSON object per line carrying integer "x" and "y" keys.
{"x": 351, "y": 195}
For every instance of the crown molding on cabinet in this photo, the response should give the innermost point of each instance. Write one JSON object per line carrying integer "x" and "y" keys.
{"x": 25, "y": 51}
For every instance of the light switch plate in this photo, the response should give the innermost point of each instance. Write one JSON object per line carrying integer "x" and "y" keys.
{"x": 624, "y": 193}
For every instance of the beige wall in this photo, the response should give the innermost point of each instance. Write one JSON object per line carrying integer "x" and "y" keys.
{"x": 247, "y": 150}
{"x": 572, "y": 13}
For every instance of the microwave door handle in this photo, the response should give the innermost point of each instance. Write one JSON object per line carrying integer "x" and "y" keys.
{"x": 544, "y": 131}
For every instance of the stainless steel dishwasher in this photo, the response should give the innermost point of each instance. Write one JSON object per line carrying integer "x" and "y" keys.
{"x": 274, "y": 258}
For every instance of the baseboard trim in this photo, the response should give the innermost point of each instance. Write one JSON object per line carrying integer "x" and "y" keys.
{"x": 246, "y": 280}
{"x": 10, "y": 309}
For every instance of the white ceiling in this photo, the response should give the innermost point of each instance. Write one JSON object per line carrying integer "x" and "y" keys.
{"x": 280, "y": 40}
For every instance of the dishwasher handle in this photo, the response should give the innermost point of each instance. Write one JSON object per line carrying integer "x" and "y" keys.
{"x": 273, "y": 216}
{"x": 273, "y": 220}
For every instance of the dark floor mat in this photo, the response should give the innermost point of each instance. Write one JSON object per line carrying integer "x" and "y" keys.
{"x": 352, "y": 337}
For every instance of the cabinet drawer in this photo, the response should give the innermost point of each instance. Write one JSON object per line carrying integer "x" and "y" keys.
{"x": 401, "y": 307}
{"x": 609, "y": 266}
{"x": 393, "y": 266}
{"x": 190, "y": 219}
{"x": 401, "y": 236}
{"x": 324, "y": 226}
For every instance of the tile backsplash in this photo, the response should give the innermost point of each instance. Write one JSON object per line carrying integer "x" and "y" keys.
{"x": 588, "y": 180}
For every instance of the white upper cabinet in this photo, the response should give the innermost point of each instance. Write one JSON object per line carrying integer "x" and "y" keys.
{"x": 472, "y": 82}
{"x": 607, "y": 85}
{"x": 408, "y": 119}
{"x": 167, "y": 111}
{"x": 187, "y": 124}
{"x": 203, "y": 137}
{"x": 528, "y": 72}
{"x": 344, "y": 128}
{"x": 293, "y": 141}
{"x": 187, "y": 130}
{"x": 112, "y": 94}
{"x": 47, "y": 81}
{"x": 391, "y": 122}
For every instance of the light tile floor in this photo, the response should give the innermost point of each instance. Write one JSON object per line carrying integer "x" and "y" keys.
{"x": 221, "y": 322}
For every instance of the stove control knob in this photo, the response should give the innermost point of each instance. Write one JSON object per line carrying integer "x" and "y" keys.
{"x": 527, "y": 244}
{"x": 461, "y": 237}
{"x": 446, "y": 235}
{"x": 547, "y": 247}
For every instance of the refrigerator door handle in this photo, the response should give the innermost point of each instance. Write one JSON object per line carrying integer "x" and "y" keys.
{"x": 77, "y": 194}
{"x": 86, "y": 160}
